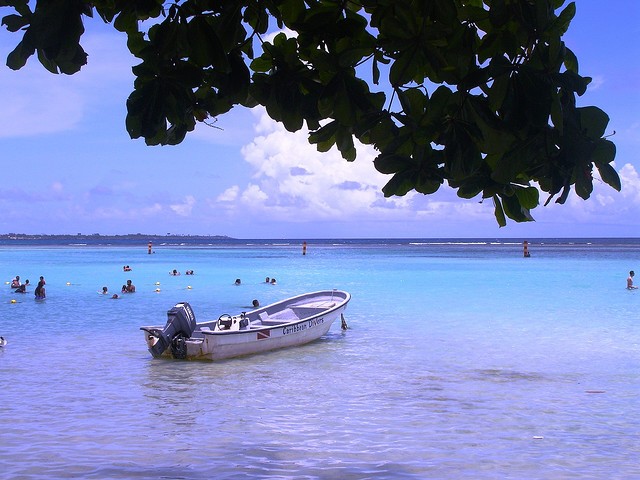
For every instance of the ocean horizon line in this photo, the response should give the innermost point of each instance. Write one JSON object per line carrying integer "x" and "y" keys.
{"x": 151, "y": 236}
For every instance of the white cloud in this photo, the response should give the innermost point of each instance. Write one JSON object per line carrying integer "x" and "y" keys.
{"x": 288, "y": 33}
{"x": 630, "y": 181}
{"x": 229, "y": 195}
{"x": 253, "y": 195}
{"x": 151, "y": 210}
{"x": 292, "y": 178}
{"x": 293, "y": 182}
{"x": 184, "y": 209}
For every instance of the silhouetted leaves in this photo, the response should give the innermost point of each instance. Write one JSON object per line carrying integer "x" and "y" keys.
{"x": 477, "y": 94}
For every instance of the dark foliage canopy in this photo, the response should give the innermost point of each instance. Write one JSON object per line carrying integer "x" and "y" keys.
{"x": 480, "y": 94}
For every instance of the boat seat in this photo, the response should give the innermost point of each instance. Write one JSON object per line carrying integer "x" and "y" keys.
{"x": 315, "y": 305}
{"x": 263, "y": 316}
{"x": 286, "y": 315}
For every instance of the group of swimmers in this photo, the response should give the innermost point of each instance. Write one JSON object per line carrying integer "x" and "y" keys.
{"x": 175, "y": 272}
{"x": 40, "y": 292}
{"x": 270, "y": 281}
{"x": 129, "y": 287}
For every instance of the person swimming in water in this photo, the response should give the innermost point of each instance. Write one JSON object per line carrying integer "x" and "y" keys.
{"x": 22, "y": 288}
{"x": 40, "y": 292}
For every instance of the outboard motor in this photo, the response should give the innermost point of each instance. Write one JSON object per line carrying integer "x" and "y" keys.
{"x": 180, "y": 325}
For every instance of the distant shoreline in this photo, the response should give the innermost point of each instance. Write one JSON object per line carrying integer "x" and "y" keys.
{"x": 98, "y": 236}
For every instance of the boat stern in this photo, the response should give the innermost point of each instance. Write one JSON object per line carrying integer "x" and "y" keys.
{"x": 181, "y": 323}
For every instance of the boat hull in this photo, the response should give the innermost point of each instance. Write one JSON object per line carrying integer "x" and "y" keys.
{"x": 262, "y": 334}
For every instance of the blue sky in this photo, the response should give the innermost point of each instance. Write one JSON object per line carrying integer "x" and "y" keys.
{"x": 70, "y": 167}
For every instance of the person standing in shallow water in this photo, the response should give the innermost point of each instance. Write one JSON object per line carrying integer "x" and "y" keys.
{"x": 630, "y": 285}
{"x": 40, "y": 290}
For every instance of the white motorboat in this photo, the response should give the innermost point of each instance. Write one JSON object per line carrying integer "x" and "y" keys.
{"x": 294, "y": 321}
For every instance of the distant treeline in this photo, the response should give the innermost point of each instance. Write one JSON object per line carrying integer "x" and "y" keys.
{"x": 139, "y": 239}
{"x": 79, "y": 237}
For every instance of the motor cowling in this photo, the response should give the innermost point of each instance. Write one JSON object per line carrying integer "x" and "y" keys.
{"x": 181, "y": 322}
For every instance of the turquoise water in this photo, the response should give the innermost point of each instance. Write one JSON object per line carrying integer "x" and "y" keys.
{"x": 462, "y": 360}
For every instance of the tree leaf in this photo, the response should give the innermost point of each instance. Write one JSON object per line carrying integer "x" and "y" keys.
{"x": 400, "y": 184}
{"x": 498, "y": 211}
{"x": 479, "y": 99}
{"x": 514, "y": 209}
{"x": 391, "y": 163}
{"x": 206, "y": 47}
{"x": 528, "y": 197}
{"x": 609, "y": 175}
{"x": 324, "y": 136}
{"x": 375, "y": 69}
{"x": 561, "y": 24}
{"x": 593, "y": 121}
{"x": 604, "y": 152}
{"x": 584, "y": 182}
{"x": 570, "y": 61}
{"x": 413, "y": 101}
{"x": 14, "y": 22}
{"x": 19, "y": 56}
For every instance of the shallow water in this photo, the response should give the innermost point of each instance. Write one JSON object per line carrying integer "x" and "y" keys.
{"x": 462, "y": 360}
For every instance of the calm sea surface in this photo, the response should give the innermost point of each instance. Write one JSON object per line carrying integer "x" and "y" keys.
{"x": 462, "y": 360}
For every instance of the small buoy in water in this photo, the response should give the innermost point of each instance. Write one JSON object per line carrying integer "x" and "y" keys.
{"x": 7, "y": 283}
{"x": 68, "y": 283}
{"x": 188, "y": 287}
{"x": 157, "y": 283}
{"x": 13, "y": 301}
